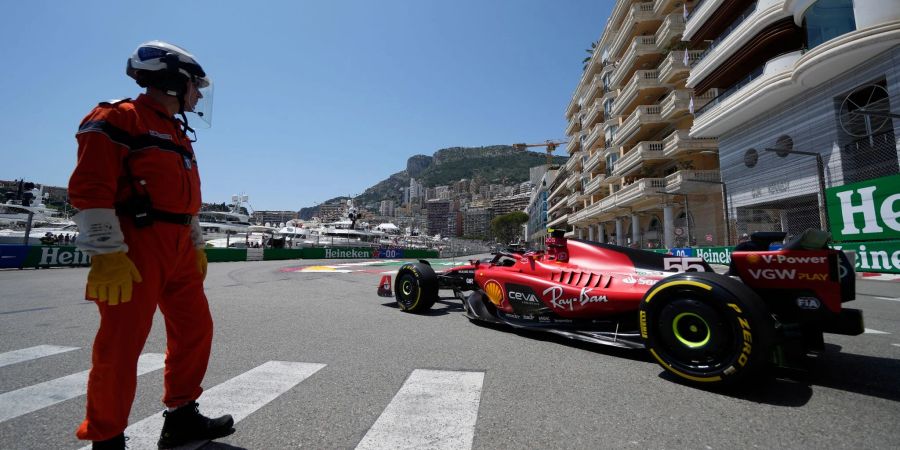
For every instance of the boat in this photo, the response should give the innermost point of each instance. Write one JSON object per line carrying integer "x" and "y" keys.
{"x": 17, "y": 235}
{"x": 17, "y": 212}
{"x": 223, "y": 224}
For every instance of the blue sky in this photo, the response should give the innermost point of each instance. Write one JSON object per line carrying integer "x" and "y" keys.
{"x": 312, "y": 99}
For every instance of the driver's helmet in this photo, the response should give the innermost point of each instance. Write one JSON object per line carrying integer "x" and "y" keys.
{"x": 556, "y": 245}
{"x": 169, "y": 67}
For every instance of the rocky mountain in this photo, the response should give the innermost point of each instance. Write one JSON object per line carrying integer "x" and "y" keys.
{"x": 500, "y": 164}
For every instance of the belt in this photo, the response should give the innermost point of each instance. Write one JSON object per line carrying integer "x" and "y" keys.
{"x": 179, "y": 219}
{"x": 155, "y": 214}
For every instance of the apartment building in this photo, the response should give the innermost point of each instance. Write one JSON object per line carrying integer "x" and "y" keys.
{"x": 806, "y": 98}
{"x": 636, "y": 176}
{"x": 536, "y": 228}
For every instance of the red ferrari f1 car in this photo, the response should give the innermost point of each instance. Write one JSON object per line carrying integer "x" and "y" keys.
{"x": 704, "y": 327}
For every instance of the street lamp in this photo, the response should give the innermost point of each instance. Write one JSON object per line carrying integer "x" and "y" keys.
{"x": 724, "y": 201}
{"x": 820, "y": 167}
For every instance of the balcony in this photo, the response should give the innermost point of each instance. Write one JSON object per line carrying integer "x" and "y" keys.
{"x": 678, "y": 181}
{"x": 574, "y": 142}
{"x": 555, "y": 205}
{"x": 592, "y": 113}
{"x": 680, "y": 142}
{"x": 640, "y": 155}
{"x": 572, "y": 107}
{"x": 573, "y": 199}
{"x": 673, "y": 70}
{"x": 760, "y": 90}
{"x": 559, "y": 190}
{"x": 572, "y": 181}
{"x": 671, "y": 28}
{"x": 621, "y": 8}
{"x": 594, "y": 137}
{"x": 593, "y": 186}
{"x": 561, "y": 220}
{"x": 661, "y": 7}
{"x": 644, "y": 84}
{"x": 644, "y": 117}
{"x": 757, "y": 16}
{"x": 593, "y": 162}
{"x": 676, "y": 104}
{"x": 700, "y": 14}
{"x": 573, "y": 165}
{"x": 639, "y": 190}
{"x": 642, "y": 50}
{"x": 592, "y": 90}
{"x": 574, "y": 126}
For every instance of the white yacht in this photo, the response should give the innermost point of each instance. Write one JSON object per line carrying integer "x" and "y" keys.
{"x": 17, "y": 235}
{"x": 220, "y": 224}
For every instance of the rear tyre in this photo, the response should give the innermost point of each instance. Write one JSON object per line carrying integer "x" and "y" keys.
{"x": 416, "y": 287}
{"x": 706, "y": 328}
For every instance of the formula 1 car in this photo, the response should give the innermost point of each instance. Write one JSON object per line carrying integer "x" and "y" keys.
{"x": 704, "y": 327}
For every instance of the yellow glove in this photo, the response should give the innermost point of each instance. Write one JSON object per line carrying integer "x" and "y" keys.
{"x": 202, "y": 262}
{"x": 112, "y": 277}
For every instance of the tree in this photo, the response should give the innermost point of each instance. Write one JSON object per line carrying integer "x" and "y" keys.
{"x": 507, "y": 228}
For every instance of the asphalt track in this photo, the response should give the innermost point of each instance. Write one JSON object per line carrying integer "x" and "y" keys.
{"x": 314, "y": 359}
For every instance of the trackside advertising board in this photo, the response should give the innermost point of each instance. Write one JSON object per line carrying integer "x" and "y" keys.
{"x": 19, "y": 256}
{"x": 865, "y": 211}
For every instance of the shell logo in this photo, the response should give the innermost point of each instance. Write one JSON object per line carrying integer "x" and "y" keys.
{"x": 494, "y": 292}
{"x": 753, "y": 258}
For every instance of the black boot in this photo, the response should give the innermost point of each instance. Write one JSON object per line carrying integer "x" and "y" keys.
{"x": 186, "y": 424}
{"x": 116, "y": 443}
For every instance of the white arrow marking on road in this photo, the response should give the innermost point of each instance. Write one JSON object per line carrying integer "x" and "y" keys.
{"x": 32, "y": 398}
{"x": 434, "y": 409}
{"x": 889, "y": 298}
{"x": 27, "y": 354}
{"x": 239, "y": 396}
{"x": 871, "y": 331}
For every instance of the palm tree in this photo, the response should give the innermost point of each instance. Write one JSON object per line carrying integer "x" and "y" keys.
{"x": 590, "y": 52}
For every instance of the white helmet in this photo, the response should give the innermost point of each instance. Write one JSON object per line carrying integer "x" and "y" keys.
{"x": 169, "y": 67}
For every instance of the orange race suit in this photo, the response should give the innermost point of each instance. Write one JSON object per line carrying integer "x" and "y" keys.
{"x": 137, "y": 149}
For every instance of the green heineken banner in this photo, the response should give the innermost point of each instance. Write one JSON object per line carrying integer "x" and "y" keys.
{"x": 865, "y": 211}
{"x": 52, "y": 256}
{"x": 881, "y": 256}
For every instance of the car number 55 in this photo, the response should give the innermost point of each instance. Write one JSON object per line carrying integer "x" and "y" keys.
{"x": 684, "y": 264}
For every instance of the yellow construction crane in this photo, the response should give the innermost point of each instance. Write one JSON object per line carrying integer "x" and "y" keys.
{"x": 551, "y": 147}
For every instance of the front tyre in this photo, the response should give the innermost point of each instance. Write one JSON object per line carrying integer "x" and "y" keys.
{"x": 706, "y": 328}
{"x": 416, "y": 287}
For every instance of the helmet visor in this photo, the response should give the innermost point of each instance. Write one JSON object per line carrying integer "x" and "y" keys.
{"x": 199, "y": 102}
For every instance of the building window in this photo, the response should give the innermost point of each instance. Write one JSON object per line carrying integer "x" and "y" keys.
{"x": 826, "y": 20}
{"x": 866, "y": 133}
{"x": 751, "y": 157}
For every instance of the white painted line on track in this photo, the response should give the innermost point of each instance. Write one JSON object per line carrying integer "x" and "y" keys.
{"x": 888, "y": 298}
{"x": 434, "y": 409}
{"x": 38, "y": 396}
{"x": 871, "y": 331}
{"x": 239, "y": 396}
{"x": 896, "y": 345}
{"x": 27, "y": 354}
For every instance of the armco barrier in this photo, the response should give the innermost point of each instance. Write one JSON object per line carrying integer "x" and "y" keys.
{"x": 272, "y": 254}
{"x": 226, "y": 254}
